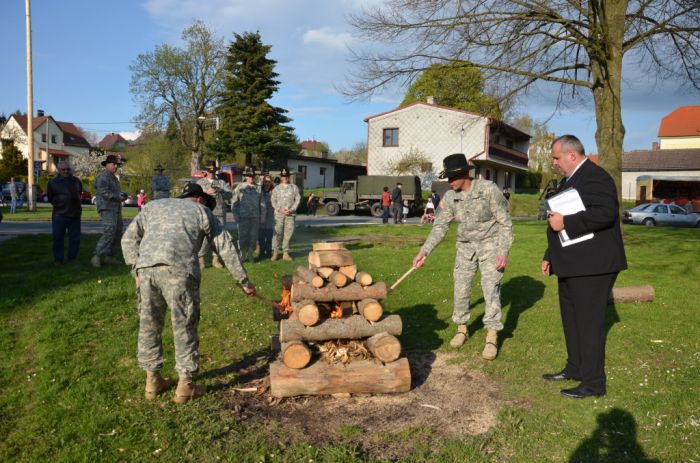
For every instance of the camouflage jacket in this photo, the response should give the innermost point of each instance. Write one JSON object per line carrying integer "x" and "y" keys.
{"x": 482, "y": 214}
{"x": 285, "y": 197}
{"x": 171, "y": 231}
{"x": 246, "y": 201}
{"x": 222, "y": 193}
{"x": 267, "y": 212}
{"x": 161, "y": 186}
{"x": 108, "y": 192}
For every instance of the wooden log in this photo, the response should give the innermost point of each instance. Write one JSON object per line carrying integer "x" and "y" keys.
{"x": 338, "y": 279}
{"x": 644, "y": 293}
{"x": 311, "y": 277}
{"x": 295, "y": 354}
{"x": 339, "y": 258}
{"x": 349, "y": 270}
{"x": 352, "y": 292}
{"x": 327, "y": 246}
{"x": 352, "y": 327}
{"x": 384, "y": 347}
{"x": 370, "y": 309}
{"x": 364, "y": 278}
{"x": 325, "y": 272}
{"x": 307, "y": 312}
{"x": 358, "y": 377}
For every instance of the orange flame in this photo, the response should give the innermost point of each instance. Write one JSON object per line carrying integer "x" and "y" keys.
{"x": 286, "y": 302}
{"x": 337, "y": 311}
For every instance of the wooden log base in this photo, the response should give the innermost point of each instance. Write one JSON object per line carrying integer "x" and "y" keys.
{"x": 319, "y": 378}
{"x": 644, "y": 293}
{"x": 296, "y": 354}
{"x": 352, "y": 292}
{"x": 384, "y": 347}
{"x": 353, "y": 327}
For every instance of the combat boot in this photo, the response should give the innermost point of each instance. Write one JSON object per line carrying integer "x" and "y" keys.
{"x": 202, "y": 263}
{"x": 286, "y": 256}
{"x": 186, "y": 391}
{"x": 216, "y": 262}
{"x": 491, "y": 347}
{"x": 274, "y": 255}
{"x": 155, "y": 384}
{"x": 95, "y": 261}
{"x": 460, "y": 337}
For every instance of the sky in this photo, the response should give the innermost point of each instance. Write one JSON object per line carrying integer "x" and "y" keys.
{"x": 82, "y": 50}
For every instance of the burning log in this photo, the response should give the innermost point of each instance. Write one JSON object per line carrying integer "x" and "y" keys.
{"x": 352, "y": 292}
{"x": 338, "y": 258}
{"x": 295, "y": 354}
{"x": 362, "y": 376}
{"x": 384, "y": 347}
{"x": 307, "y": 312}
{"x": 370, "y": 309}
{"x": 310, "y": 277}
{"x": 353, "y": 327}
{"x": 364, "y": 278}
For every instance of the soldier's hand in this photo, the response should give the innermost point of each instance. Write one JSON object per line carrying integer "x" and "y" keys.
{"x": 249, "y": 289}
{"x": 546, "y": 268}
{"x": 501, "y": 262}
{"x": 419, "y": 260}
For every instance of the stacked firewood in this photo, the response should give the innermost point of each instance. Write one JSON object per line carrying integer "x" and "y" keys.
{"x": 335, "y": 313}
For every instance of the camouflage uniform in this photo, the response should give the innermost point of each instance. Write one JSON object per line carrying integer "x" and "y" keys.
{"x": 161, "y": 246}
{"x": 222, "y": 193}
{"x": 161, "y": 187}
{"x": 485, "y": 231}
{"x": 108, "y": 202}
{"x": 284, "y": 197}
{"x": 267, "y": 223}
{"x": 246, "y": 210}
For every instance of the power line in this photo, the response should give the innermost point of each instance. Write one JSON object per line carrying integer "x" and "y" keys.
{"x": 95, "y": 123}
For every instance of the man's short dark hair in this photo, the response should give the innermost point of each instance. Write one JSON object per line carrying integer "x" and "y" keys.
{"x": 398, "y": 184}
{"x": 570, "y": 142}
{"x": 386, "y": 188}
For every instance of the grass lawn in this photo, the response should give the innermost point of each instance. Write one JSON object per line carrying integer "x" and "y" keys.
{"x": 71, "y": 389}
{"x": 43, "y": 212}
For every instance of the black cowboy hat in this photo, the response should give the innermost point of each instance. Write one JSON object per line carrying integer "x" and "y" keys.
{"x": 193, "y": 189}
{"x": 211, "y": 167}
{"x": 285, "y": 172}
{"x": 454, "y": 165}
{"x": 113, "y": 159}
{"x": 159, "y": 168}
{"x": 249, "y": 172}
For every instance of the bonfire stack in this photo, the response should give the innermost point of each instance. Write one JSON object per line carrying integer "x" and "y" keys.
{"x": 337, "y": 338}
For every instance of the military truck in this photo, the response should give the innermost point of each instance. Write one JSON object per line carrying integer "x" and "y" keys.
{"x": 365, "y": 194}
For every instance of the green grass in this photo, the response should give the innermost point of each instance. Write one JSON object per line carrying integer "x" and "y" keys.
{"x": 44, "y": 213}
{"x": 71, "y": 389}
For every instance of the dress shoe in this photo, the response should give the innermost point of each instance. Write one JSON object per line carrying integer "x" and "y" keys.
{"x": 581, "y": 392}
{"x": 558, "y": 376}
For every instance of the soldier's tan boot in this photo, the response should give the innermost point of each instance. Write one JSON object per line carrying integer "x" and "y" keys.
{"x": 286, "y": 256}
{"x": 274, "y": 255}
{"x": 460, "y": 337}
{"x": 202, "y": 263}
{"x": 156, "y": 384}
{"x": 491, "y": 347}
{"x": 95, "y": 261}
{"x": 187, "y": 390}
{"x": 216, "y": 262}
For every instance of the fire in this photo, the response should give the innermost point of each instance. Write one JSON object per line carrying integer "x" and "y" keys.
{"x": 285, "y": 304}
{"x": 337, "y": 311}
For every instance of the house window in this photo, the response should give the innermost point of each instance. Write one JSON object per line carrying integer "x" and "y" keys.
{"x": 509, "y": 179}
{"x": 498, "y": 139}
{"x": 391, "y": 137}
{"x": 495, "y": 176}
{"x": 322, "y": 171}
{"x": 43, "y": 138}
{"x": 53, "y": 139}
{"x": 302, "y": 169}
{"x": 488, "y": 174}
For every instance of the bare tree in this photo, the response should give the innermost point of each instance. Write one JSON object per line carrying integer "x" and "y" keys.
{"x": 573, "y": 44}
{"x": 182, "y": 84}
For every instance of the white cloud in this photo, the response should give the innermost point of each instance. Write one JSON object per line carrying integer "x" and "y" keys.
{"x": 328, "y": 38}
{"x": 131, "y": 135}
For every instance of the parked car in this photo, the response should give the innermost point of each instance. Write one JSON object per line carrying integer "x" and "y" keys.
{"x": 6, "y": 197}
{"x": 653, "y": 214}
{"x": 130, "y": 201}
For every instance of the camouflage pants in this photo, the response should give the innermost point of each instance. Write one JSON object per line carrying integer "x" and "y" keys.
{"x": 248, "y": 233}
{"x": 162, "y": 287}
{"x": 112, "y": 229}
{"x": 206, "y": 246}
{"x": 470, "y": 257}
{"x": 284, "y": 228}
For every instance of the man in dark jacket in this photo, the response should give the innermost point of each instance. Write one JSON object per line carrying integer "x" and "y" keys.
{"x": 64, "y": 195}
{"x": 587, "y": 269}
{"x": 397, "y": 203}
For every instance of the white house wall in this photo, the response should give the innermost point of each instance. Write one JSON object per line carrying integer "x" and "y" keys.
{"x": 629, "y": 179}
{"x": 676, "y": 143}
{"x": 314, "y": 178}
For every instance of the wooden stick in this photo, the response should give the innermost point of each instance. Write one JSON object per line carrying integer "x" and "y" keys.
{"x": 396, "y": 283}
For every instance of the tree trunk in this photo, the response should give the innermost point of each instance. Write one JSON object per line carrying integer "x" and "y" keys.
{"x": 384, "y": 347}
{"x": 195, "y": 162}
{"x": 360, "y": 376}
{"x": 353, "y": 327}
{"x": 295, "y": 354}
{"x": 352, "y": 292}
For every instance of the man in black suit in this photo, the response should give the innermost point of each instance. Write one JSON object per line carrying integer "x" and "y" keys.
{"x": 397, "y": 204}
{"x": 586, "y": 270}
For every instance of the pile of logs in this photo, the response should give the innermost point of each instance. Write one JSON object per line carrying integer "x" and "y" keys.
{"x": 332, "y": 301}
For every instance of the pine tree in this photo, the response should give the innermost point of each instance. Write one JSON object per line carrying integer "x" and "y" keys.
{"x": 250, "y": 125}
{"x": 12, "y": 164}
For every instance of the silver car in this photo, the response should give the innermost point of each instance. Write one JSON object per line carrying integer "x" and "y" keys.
{"x": 653, "y": 214}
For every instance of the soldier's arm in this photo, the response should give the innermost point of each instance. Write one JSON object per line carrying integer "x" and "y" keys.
{"x": 499, "y": 209}
{"x": 274, "y": 199}
{"x": 440, "y": 227}
{"x": 222, "y": 243}
{"x": 297, "y": 200}
{"x": 236, "y": 201}
{"x": 226, "y": 190}
{"x": 132, "y": 240}
{"x": 103, "y": 189}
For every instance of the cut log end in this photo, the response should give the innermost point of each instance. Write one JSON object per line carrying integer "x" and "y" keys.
{"x": 296, "y": 354}
{"x": 384, "y": 347}
{"x": 370, "y": 309}
{"x": 364, "y": 278}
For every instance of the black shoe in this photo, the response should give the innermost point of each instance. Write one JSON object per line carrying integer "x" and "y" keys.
{"x": 581, "y": 392}
{"x": 558, "y": 376}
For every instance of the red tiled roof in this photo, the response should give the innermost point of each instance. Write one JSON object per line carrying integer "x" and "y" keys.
{"x": 22, "y": 121}
{"x": 111, "y": 139}
{"x": 59, "y": 152}
{"x": 683, "y": 122}
{"x": 310, "y": 145}
{"x": 72, "y": 135}
{"x": 642, "y": 160}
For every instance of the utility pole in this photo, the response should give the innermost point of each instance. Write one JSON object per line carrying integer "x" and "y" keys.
{"x": 31, "y": 195}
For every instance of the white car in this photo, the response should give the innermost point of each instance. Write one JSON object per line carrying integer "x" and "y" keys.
{"x": 653, "y": 214}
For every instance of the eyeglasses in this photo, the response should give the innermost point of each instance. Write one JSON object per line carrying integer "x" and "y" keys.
{"x": 65, "y": 170}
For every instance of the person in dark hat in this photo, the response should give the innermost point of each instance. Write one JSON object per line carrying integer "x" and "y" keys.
{"x": 161, "y": 245}
{"x": 160, "y": 184}
{"x": 484, "y": 237}
{"x": 245, "y": 206}
{"x": 397, "y": 203}
{"x": 108, "y": 202}
{"x": 222, "y": 192}
{"x": 285, "y": 200}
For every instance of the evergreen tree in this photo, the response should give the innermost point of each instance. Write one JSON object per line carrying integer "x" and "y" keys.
{"x": 250, "y": 126}
{"x": 12, "y": 164}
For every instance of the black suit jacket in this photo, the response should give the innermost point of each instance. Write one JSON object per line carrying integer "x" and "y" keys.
{"x": 604, "y": 253}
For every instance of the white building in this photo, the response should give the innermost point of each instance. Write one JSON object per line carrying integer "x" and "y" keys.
{"x": 316, "y": 172}
{"x": 497, "y": 150}
{"x": 680, "y": 129}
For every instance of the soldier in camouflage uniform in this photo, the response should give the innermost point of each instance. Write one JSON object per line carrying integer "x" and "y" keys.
{"x": 160, "y": 184}
{"x": 267, "y": 216}
{"x": 484, "y": 238}
{"x": 221, "y": 192}
{"x": 108, "y": 201}
{"x": 285, "y": 200}
{"x": 246, "y": 212}
{"x": 161, "y": 245}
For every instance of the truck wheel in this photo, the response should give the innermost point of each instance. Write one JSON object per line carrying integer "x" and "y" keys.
{"x": 377, "y": 210}
{"x": 332, "y": 208}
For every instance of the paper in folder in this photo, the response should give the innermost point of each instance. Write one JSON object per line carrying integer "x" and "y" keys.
{"x": 566, "y": 203}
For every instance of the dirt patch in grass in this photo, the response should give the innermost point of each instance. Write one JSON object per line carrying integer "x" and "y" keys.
{"x": 447, "y": 399}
